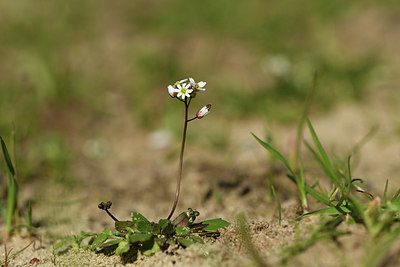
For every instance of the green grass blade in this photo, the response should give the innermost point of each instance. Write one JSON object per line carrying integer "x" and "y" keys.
{"x": 12, "y": 193}
{"x": 301, "y": 185}
{"x": 396, "y": 196}
{"x": 323, "y": 155}
{"x": 29, "y": 217}
{"x": 278, "y": 202}
{"x": 327, "y": 211}
{"x": 275, "y": 153}
{"x": 384, "y": 201}
{"x": 317, "y": 158}
{"x": 7, "y": 157}
{"x": 318, "y": 195}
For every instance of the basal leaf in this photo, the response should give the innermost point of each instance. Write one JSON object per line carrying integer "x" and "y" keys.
{"x": 120, "y": 226}
{"x": 144, "y": 226}
{"x": 156, "y": 229}
{"x": 197, "y": 239}
{"x": 123, "y": 247}
{"x": 150, "y": 247}
{"x": 101, "y": 238}
{"x": 140, "y": 237}
{"x": 182, "y": 230}
{"x": 112, "y": 242}
{"x": 167, "y": 227}
{"x": 137, "y": 217}
{"x": 215, "y": 224}
{"x": 186, "y": 242}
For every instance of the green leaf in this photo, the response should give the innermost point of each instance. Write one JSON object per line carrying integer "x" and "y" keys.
{"x": 144, "y": 226}
{"x": 278, "y": 202}
{"x": 384, "y": 201}
{"x": 121, "y": 226}
{"x": 7, "y": 157}
{"x": 215, "y": 224}
{"x": 275, "y": 153}
{"x": 150, "y": 247}
{"x": 140, "y": 237}
{"x": 101, "y": 238}
{"x": 327, "y": 165}
{"x": 161, "y": 241}
{"x": 156, "y": 229}
{"x": 197, "y": 239}
{"x": 328, "y": 211}
{"x": 123, "y": 247}
{"x": 185, "y": 242}
{"x": 393, "y": 206}
{"x": 112, "y": 242}
{"x": 167, "y": 227}
{"x": 60, "y": 244}
{"x": 137, "y": 217}
{"x": 182, "y": 230}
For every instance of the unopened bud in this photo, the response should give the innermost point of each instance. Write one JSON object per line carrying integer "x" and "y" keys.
{"x": 171, "y": 91}
{"x": 204, "y": 111}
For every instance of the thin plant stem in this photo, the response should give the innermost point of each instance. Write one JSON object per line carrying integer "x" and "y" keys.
{"x": 178, "y": 182}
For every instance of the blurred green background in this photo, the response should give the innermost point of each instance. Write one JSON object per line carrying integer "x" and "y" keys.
{"x": 68, "y": 66}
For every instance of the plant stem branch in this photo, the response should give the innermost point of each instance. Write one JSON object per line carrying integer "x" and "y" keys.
{"x": 178, "y": 182}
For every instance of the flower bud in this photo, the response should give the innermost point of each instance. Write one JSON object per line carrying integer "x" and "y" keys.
{"x": 204, "y": 111}
{"x": 171, "y": 91}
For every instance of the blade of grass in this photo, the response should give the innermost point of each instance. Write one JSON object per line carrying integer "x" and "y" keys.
{"x": 7, "y": 157}
{"x": 384, "y": 201}
{"x": 301, "y": 186}
{"x": 275, "y": 153}
{"x": 314, "y": 193}
{"x": 12, "y": 189}
{"x": 323, "y": 155}
{"x": 278, "y": 202}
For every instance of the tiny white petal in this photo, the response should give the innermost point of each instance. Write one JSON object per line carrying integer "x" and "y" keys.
{"x": 171, "y": 90}
{"x": 202, "y": 84}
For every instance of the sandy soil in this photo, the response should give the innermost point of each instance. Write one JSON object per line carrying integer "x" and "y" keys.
{"x": 138, "y": 176}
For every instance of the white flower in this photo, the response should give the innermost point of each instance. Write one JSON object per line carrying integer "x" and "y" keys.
{"x": 203, "y": 112}
{"x": 171, "y": 91}
{"x": 192, "y": 82}
{"x": 180, "y": 82}
{"x": 197, "y": 86}
{"x": 200, "y": 86}
{"x": 183, "y": 90}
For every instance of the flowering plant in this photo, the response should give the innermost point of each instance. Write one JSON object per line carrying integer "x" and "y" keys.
{"x": 139, "y": 234}
{"x": 185, "y": 90}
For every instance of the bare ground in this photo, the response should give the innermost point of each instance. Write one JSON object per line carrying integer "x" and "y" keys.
{"x": 136, "y": 176}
